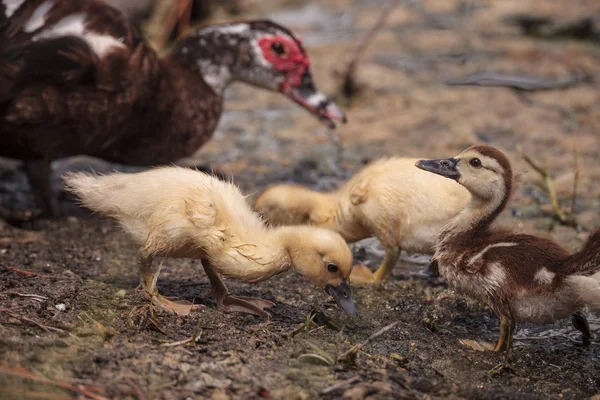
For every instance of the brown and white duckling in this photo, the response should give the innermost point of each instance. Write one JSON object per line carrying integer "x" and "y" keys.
{"x": 403, "y": 207}
{"x": 179, "y": 212}
{"x": 520, "y": 277}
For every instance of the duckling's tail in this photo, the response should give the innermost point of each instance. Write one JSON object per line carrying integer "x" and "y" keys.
{"x": 587, "y": 260}
{"x": 586, "y": 289}
{"x": 93, "y": 191}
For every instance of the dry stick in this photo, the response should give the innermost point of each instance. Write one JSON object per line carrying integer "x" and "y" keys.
{"x": 12, "y": 308}
{"x": 341, "y": 385}
{"x": 559, "y": 213}
{"x": 79, "y": 389}
{"x": 45, "y": 328}
{"x": 138, "y": 391}
{"x": 22, "y": 271}
{"x": 35, "y": 274}
{"x": 356, "y": 348}
{"x": 30, "y": 394}
{"x": 348, "y": 76}
{"x": 575, "y": 180}
{"x": 173, "y": 344}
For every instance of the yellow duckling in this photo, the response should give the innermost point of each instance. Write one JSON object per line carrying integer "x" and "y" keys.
{"x": 403, "y": 207}
{"x": 179, "y": 212}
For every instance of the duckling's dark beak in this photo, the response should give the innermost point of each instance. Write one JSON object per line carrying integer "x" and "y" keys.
{"x": 309, "y": 97}
{"x": 342, "y": 296}
{"x": 445, "y": 167}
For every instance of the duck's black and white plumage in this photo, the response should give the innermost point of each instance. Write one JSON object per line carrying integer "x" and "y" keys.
{"x": 520, "y": 277}
{"x": 77, "y": 78}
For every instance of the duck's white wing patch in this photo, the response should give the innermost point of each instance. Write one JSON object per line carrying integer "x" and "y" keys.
{"x": 38, "y": 18}
{"x": 544, "y": 277}
{"x": 11, "y": 6}
{"x": 228, "y": 29}
{"x": 496, "y": 275}
{"x": 74, "y": 25}
{"x": 477, "y": 256}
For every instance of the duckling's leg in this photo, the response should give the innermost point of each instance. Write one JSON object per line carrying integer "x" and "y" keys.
{"x": 39, "y": 174}
{"x": 580, "y": 322}
{"x": 384, "y": 272}
{"x": 362, "y": 274}
{"x": 507, "y": 328}
{"x": 148, "y": 283}
{"x": 228, "y": 303}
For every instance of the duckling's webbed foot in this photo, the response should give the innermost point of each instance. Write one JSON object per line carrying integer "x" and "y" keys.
{"x": 148, "y": 284}
{"x": 249, "y": 305}
{"x": 362, "y": 274}
{"x": 580, "y": 322}
{"x": 507, "y": 328}
{"x": 228, "y": 303}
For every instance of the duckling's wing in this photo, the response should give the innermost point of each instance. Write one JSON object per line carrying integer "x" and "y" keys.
{"x": 203, "y": 214}
{"x": 358, "y": 192}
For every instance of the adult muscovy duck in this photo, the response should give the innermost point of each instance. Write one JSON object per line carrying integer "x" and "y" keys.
{"x": 77, "y": 78}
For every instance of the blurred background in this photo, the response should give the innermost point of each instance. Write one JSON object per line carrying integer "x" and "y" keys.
{"x": 409, "y": 87}
{"x": 418, "y": 78}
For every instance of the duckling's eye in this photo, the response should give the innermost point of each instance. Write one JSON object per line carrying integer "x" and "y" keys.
{"x": 475, "y": 162}
{"x": 332, "y": 268}
{"x": 278, "y": 48}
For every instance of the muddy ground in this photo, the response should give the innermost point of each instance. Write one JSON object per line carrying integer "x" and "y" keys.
{"x": 75, "y": 318}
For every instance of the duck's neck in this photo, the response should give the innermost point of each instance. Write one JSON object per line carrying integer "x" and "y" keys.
{"x": 214, "y": 55}
{"x": 293, "y": 240}
{"x": 479, "y": 214}
{"x": 335, "y": 212}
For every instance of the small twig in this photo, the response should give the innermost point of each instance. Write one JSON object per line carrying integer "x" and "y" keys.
{"x": 348, "y": 87}
{"x": 564, "y": 217}
{"x": 341, "y": 385}
{"x": 83, "y": 390}
{"x": 138, "y": 391}
{"x": 36, "y": 297}
{"x": 356, "y": 348}
{"x": 11, "y": 308}
{"x": 180, "y": 342}
{"x": 106, "y": 332}
{"x": 22, "y": 271}
{"x": 30, "y": 394}
{"x": 35, "y": 274}
{"x": 575, "y": 180}
{"x": 45, "y": 328}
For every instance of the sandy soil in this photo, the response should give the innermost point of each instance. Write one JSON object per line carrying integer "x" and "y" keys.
{"x": 100, "y": 338}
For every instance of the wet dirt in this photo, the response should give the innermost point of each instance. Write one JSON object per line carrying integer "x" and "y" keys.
{"x": 80, "y": 319}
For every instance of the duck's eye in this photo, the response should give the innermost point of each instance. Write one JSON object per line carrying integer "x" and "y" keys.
{"x": 475, "y": 162}
{"x": 278, "y": 48}
{"x": 332, "y": 268}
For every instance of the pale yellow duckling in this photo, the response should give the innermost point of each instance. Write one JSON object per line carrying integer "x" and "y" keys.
{"x": 403, "y": 207}
{"x": 179, "y": 212}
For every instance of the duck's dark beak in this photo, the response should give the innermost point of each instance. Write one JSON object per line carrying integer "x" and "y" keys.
{"x": 309, "y": 97}
{"x": 341, "y": 294}
{"x": 445, "y": 167}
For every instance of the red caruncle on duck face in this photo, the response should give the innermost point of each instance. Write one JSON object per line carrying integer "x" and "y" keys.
{"x": 286, "y": 56}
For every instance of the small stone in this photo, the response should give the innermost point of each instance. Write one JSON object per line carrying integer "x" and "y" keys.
{"x": 120, "y": 294}
{"x": 61, "y": 307}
